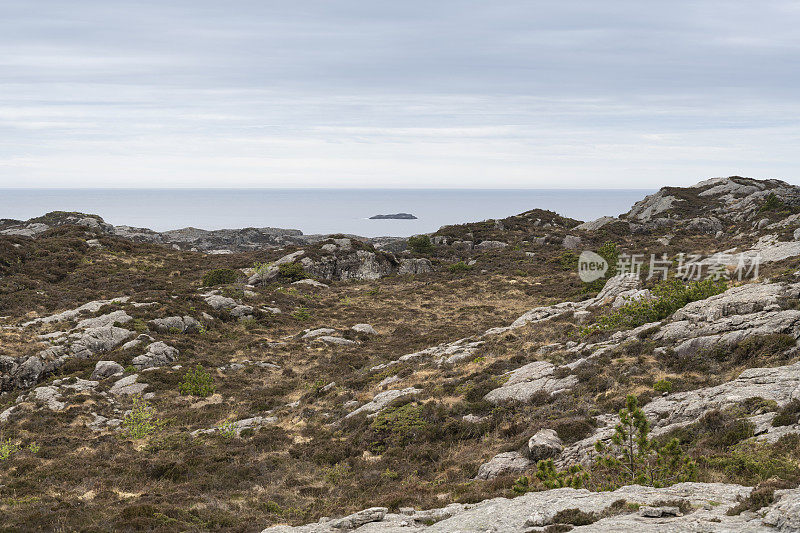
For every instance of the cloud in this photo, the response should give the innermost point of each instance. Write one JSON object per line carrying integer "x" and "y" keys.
{"x": 352, "y": 93}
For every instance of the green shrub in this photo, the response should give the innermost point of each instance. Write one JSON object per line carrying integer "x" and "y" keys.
{"x": 574, "y": 476}
{"x": 668, "y": 297}
{"x": 7, "y": 449}
{"x": 141, "y": 421}
{"x": 227, "y": 430}
{"x": 569, "y": 261}
{"x": 400, "y": 424}
{"x": 633, "y": 458}
{"x": 459, "y": 267}
{"x": 292, "y": 272}
{"x": 220, "y": 276}
{"x": 630, "y": 458}
{"x": 771, "y": 203}
{"x": 197, "y": 382}
{"x": 420, "y": 244}
{"x": 662, "y": 385}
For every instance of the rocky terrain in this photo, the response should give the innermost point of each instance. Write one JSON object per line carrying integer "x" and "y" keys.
{"x": 467, "y": 380}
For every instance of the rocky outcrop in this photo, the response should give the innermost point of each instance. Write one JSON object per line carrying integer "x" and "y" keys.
{"x": 104, "y": 369}
{"x": 526, "y": 382}
{"x": 503, "y": 464}
{"x": 382, "y": 399}
{"x": 176, "y": 324}
{"x": 645, "y": 512}
{"x": 157, "y": 354}
{"x": 544, "y": 444}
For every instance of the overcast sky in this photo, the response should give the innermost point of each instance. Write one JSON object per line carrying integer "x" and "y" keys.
{"x": 413, "y": 93}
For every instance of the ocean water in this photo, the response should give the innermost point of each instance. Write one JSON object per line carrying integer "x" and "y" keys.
{"x": 313, "y": 210}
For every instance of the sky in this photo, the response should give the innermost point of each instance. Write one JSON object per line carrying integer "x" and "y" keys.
{"x": 418, "y": 93}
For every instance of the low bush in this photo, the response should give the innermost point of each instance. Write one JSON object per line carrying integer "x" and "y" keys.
{"x": 197, "y": 382}
{"x": 788, "y": 415}
{"x": 292, "y": 272}
{"x": 758, "y": 498}
{"x": 771, "y": 203}
{"x": 459, "y": 267}
{"x": 141, "y": 421}
{"x": 575, "y": 517}
{"x": 220, "y": 276}
{"x": 662, "y": 385}
{"x": 668, "y": 297}
{"x": 420, "y": 244}
{"x": 631, "y": 457}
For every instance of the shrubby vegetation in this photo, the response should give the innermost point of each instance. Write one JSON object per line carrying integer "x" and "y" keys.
{"x": 668, "y": 297}
{"x": 220, "y": 276}
{"x": 141, "y": 421}
{"x": 459, "y": 267}
{"x": 197, "y": 382}
{"x": 420, "y": 244}
{"x": 292, "y": 272}
{"x": 631, "y": 457}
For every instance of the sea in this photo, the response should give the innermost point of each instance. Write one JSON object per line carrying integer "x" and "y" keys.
{"x": 313, "y": 210}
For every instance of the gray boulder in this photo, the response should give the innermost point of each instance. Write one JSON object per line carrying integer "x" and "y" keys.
{"x": 104, "y": 369}
{"x": 157, "y": 354}
{"x": 382, "y": 399}
{"x": 364, "y": 328}
{"x": 98, "y": 340}
{"x": 503, "y": 464}
{"x": 178, "y": 324}
{"x": 571, "y": 242}
{"x": 527, "y": 381}
{"x": 218, "y": 301}
{"x": 313, "y": 333}
{"x": 329, "y": 339}
{"x": 490, "y": 245}
{"x": 545, "y": 444}
{"x": 27, "y": 374}
{"x": 415, "y": 266}
{"x": 127, "y": 386}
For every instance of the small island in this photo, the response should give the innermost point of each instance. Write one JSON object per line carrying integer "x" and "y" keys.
{"x": 396, "y": 216}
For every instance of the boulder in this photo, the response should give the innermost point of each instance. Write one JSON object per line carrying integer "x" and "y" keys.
{"x": 127, "y": 386}
{"x": 545, "y": 444}
{"x": 490, "y": 245}
{"x": 157, "y": 354}
{"x": 310, "y": 283}
{"x": 177, "y": 324}
{"x": 27, "y": 374}
{"x": 382, "y": 399}
{"x": 365, "y": 329}
{"x": 356, "y": 520}
{"x": 104, "y": 369}
{"x": 310, "y": 334}
{"x": 527, "y": 381}
{"x": 571, "y": 242}
{"x": 98, "y": 340}
{"x": 105, "y": 320}
{"x": 329, "y": 339}
{"x": 415, "y": 266}
{"x": 503, "y": 464}
{"x": 218, "y": 301}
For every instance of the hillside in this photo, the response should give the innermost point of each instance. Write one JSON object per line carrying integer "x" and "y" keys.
{"x": 260, "y": 379}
